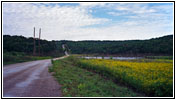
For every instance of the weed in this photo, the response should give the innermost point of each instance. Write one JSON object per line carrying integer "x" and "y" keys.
{"x": 152, "y": 78}
{"x": 79, "y": 82}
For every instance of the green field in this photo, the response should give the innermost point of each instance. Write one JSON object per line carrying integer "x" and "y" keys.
{"x": 152, "y": 77}
{"x": 78, "y": 82}
{"x": 17, "y": 57}
{"x": 159, "y": 57}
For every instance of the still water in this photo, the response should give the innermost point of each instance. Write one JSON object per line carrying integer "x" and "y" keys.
{"x": 118, "y": 58}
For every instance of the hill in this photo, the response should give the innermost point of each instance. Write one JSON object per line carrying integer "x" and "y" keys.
{"x": 155, "y": 46}
{"x": 25, "y": 45}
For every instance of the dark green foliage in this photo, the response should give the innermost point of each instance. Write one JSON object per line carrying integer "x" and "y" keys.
{"x": 23, "y": 44}
{"x": 155, "y": 46}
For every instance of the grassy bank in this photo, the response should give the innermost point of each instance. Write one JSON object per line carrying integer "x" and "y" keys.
{"x": 17, "y": 57}
{"x": 159, "y": 57}
{"x": 79, "y": 82}
{"x": 152, "y": 77}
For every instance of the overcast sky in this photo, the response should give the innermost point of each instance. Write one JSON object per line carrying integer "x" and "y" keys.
{"x": 89, "y": 21}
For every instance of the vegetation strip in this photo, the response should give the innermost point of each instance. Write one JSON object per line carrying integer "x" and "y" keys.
{"x": 162, "y": 46}
{"x": 154, "y": 78}
{"x": 79, "y": 82}
{"x": 17, "y": 57}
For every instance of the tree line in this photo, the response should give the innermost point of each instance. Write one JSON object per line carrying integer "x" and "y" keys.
{"x": 155, "y": 46}
{"x": 23, "y": 44}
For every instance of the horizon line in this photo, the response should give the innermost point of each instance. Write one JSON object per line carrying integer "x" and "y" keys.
{"x": 96, "y": 40}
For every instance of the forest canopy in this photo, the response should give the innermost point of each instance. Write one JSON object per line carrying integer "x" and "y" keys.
{"x": 155, "y": 46}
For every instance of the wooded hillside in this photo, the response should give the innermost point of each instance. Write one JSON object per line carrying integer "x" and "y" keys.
{"x": 154, "y": 46}
{"x": 23, "y": 44}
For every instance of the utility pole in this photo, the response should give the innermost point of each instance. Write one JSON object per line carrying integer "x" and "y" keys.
{"x": 39, "y": 40}
{"x": 34, "y": 49}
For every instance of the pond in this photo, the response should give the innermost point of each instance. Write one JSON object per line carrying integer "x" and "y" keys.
{"x": 118, "y": 58}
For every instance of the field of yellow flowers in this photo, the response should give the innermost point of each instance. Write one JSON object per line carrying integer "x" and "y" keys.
{"x": 154, "y": 78}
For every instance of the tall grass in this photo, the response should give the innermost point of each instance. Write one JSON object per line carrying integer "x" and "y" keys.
{"x": 159, "y": 57}
{"x": 151, "y": 78}
{"x": 16, "y": 57}
{"x": 79, "y": 82}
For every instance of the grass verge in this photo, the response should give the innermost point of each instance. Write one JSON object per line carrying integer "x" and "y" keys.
{"x": 16, "y": 57}
{"x": 78, "y": 82}
{"x": 159, "y": 57}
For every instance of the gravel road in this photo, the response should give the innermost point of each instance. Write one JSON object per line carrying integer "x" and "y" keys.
{"x": 29, "y": 79}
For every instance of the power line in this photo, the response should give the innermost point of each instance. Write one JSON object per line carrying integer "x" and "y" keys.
{"x": 34, "y": 49}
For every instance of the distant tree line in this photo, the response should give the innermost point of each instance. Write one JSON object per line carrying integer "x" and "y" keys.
{"x": 154, "y": 46}
{"x": 23, "y": 44}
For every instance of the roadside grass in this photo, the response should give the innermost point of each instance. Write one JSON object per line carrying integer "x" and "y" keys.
{"x": 153, "y": 78}
{"x": 79, "y": 82}
{"x": 17, "y": 57}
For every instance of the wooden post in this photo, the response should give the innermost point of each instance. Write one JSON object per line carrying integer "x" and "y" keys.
{"x": 34, "y": 49}
{"x": 39, "y": 40}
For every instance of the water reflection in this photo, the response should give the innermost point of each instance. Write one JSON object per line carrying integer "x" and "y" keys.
{"x": 118, "y": 58}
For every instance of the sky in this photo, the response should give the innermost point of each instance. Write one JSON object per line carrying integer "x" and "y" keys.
{"x": 88, "y": 20}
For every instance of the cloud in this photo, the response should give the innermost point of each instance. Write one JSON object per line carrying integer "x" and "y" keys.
{"x": 129, "y": 21}
{"x": 117, "y": 13}
{"x": 140, "y": 13}
{"x": 53, "y": 20}
{"x": 137, "y": 8}
{"x": 90, "y": 4}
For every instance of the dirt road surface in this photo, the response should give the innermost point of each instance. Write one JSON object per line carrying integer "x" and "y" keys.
{"x": 29, "y": 79}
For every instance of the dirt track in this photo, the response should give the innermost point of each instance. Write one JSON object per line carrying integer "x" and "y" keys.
{"x": 29, "y": 79}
